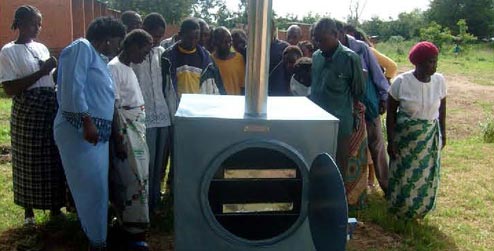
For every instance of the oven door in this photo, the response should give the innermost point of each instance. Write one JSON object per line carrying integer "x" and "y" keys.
{"x": 328, "y": 211}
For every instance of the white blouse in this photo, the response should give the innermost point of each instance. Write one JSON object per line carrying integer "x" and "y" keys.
{"x": 127, "y": 90}
{"x": 417, "y": 99}
{"x": 21, "y": 60}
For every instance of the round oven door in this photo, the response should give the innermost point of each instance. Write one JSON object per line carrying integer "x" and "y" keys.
{"x": 255, "y": 192}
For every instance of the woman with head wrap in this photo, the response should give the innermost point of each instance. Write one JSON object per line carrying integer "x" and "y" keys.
{"x": 416, "y": 127}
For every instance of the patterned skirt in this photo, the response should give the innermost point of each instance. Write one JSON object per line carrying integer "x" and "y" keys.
{"x": 129, "y": 178}
{"x": 39, "y": 180}
{"x": 355, "y": 176}
{"x": 414, "y": 174}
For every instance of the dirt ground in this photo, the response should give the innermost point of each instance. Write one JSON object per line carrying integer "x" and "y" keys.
{"x": 468, "y": 105}
{"x": 368, "y": 236}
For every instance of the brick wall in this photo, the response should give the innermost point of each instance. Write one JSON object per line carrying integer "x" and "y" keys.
{"x": 171, "y": 29}
{"x": 305, "y": 32}
{"x": 63, "y": 20}
{"x": 67, "y": 20}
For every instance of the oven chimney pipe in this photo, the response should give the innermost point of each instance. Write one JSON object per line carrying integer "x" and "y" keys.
{"x": 258, "y": 45}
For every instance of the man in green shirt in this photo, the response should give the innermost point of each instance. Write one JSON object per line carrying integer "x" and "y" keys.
{"x": 337, "y": 83}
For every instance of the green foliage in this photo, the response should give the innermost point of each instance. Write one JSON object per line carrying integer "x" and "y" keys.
{"x": 396, "y": 39}
{"x": 478, "y": 14}
{"x": 436, "y": 34}
{"x": 283, "y": 23}
{"x": 5, "y": 106}
{"x": 463, "y": 35}
{"x": 488, "y": 130}
{"x": 230, "y": 19}
{"x": 216, "y": 13}
{"x": 407, "y": 25}
{"x": 205, "y": 9}
{"x": 311, "y": 18}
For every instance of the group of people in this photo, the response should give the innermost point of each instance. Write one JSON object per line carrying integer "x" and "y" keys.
{"x": 349, "y": 82}
{"x": 100, "y": 120}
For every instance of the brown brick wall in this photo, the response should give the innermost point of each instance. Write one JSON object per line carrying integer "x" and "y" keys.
{"x": 88, "y": 12}
{"x": 63, "y": 20}
{"x": 57, "y": 27}
{"x": 171, "y": 29}
{"x": 305, "y": 32}
{"x": 78, "y": 18}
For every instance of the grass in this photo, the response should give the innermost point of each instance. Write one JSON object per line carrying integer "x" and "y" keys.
{"x": 465, "y": 206}
{"x": 475, "y": 61}
{"x": 5, "y": 104}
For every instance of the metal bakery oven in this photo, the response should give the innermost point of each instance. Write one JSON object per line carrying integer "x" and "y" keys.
{"x": 256, "y": 173}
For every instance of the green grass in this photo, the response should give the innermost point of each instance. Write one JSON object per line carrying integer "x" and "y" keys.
{"x": 10, "y": 214}
{"x": 5, "y": 104}
{"x": 465, "y": 206}
{"x": 475, "y": 61}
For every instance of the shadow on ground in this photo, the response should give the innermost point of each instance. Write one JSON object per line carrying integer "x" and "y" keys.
{"x": 65, "y": 235}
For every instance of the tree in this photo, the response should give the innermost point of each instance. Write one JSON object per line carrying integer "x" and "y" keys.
{"x": 407, "y": 25}
{"x": 208, "y": 9}
{"x": 284, "y": 22}
{"x": 477, "y": 13}
{"x": 173, "y": 10}
{"x": 436, "y": 34}
{"x": 356, "y": 8}
{"x": 312, "y": 18}
{"x": 231, "y": 19}
{"x": 463, "y": 35}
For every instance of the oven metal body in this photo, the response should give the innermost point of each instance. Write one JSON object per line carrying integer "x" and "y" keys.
{"x": 208, "y": 129}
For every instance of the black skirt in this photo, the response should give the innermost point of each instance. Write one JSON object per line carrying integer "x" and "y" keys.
{"x": 39, "y": 180}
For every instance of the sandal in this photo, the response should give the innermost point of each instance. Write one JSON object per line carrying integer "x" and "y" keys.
{"x": 29, "y": 221}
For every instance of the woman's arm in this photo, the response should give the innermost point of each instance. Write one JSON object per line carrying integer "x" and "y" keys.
{"x": 15, "y": 87}
{"x": 392, "y": 108}
{"x": 442, "y": 120}
{"x": 72, "y": 76}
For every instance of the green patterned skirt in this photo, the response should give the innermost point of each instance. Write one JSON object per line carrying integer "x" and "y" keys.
{"x": 414, "y": 174}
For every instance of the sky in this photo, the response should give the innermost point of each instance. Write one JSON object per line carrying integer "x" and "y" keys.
{"x": 339, "y": 9}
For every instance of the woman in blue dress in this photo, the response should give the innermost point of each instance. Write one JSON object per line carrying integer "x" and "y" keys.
{"x": 83, "y": 123}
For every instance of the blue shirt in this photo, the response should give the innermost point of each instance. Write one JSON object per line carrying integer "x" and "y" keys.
{"x": 84, "y": 87}
{"x": 369, "y": 63}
